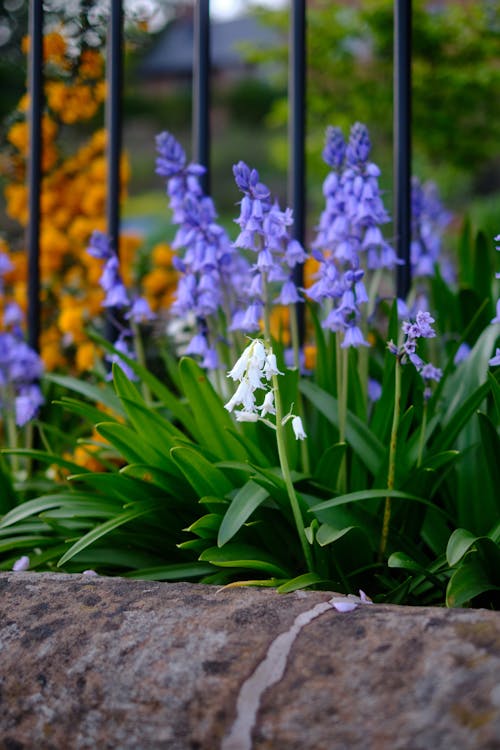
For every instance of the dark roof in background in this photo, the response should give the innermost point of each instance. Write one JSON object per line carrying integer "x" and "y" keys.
{"x": 173, "y": 52}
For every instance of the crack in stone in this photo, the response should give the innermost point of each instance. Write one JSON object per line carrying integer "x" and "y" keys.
{"x": 267, "y": 673}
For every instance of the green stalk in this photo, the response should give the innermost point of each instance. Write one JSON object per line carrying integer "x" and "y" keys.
{"x": 280, "y": 439}
{"x": 421, "y": 441}
{"x": 392, "y": 459}
{"x": 285, "y": 470}
{"x": 141, "y": 358}
{"x": 342, "y": 393}
{"x": 294, "y": 331}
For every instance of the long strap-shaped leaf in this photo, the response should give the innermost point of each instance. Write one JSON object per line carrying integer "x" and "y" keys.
{"x": 362, "y": 440}
{"x": 213, "y": 421}
{"x": 106, "y": 528}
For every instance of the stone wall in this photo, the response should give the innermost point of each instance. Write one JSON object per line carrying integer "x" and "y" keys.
{"x": 105, "y": 663}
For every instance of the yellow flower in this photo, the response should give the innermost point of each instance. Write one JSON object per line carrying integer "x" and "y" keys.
{"x": 54, "y": 47}
{"x": 310, "y": 356}
{"x": 162, "y": 254}
{"x": 17, "y": 202}
{"x": 71, "y": 321}
{"x": 18, "y": 136}
{"x": 91, "y": 64}
{"x": 156, "y": 281}
{"x": 85, "y": 356}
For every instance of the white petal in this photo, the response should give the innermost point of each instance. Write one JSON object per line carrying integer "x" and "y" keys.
{"x": 298, "y": 428}
{"x": 343, "y": 605}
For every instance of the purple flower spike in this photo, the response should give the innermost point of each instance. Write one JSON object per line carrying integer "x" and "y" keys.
{"x": 335, "y": 147}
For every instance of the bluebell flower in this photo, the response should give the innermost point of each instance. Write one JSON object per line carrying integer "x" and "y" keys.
{"x": 462, "y": 353}
{"x": 123, "y": 346}
{"x": 429, "y": 220}
{"x": 265, "y": 230}
{"x": 348, "y": 235}
{"x": 213, "y": 276}
{"x": 495, "y": 360}
{"x": 407, "y": 351}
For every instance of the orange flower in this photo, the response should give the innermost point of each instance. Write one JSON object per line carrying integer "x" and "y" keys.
{"x": 162, "y": 254}
{"x": 54, "y": 47}
{"x": 85, "y": 356}
{"x": 18, "y": 136}
{"x": 91, "y": 64}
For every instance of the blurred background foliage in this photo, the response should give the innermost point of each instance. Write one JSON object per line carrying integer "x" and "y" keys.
{"x": 456, "y": 102}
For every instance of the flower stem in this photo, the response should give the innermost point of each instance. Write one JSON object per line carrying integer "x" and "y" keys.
{"x": 141, "y": 358}
{"x": 285, "y": 470}
{"x": 294, "y": 330}
{"x": 421, "y": 441}
{"x": 392, "y": 459}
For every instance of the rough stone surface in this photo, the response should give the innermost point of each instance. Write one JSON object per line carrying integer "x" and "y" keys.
{"x": 105, "y": 663}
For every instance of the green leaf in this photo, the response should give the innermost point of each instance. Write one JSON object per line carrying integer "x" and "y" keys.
{"x": 39, "y": 504}
{"x": 116, "y": 485}
{"x": 91, "y": 413}
{"x": 207, "y": 526}
{"x": 105, "y": 528}
{"x": 352, "y": 497}
{"x": 202, "y": 475}
{"x": 234, "y": 555}
{"x": 300, "y": 582}
{"x": 174, "y": 483}
{"x": 468, "y": 581}
{"x": 328, "y": 534}
{"x": 328, "y": 466}
{"x": 46, "y": 458}
{"x": 174, "y": 572}
{"x": 214, "y": 424}
{"x": 98, "y": 395}
{"x": 459, "y": 544}
{"x": 364, "y": 443}
{"x": 170, "y": 400}
{"x": 243, "y": 504}
{"x": 8, "y": 497}
{"x": 402, "y": 560}
{"x": 495, "y": 389}
{"x": 129, "y": 444}
{"x": 142, "y": 416}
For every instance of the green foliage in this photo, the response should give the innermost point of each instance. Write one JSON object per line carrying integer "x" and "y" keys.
{"x": 456, "y": 110}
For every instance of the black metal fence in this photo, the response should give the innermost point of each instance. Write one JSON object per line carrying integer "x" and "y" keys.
{"x": 201, "y": 129}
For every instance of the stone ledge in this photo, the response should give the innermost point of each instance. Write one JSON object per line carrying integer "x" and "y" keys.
{"x": 105, "y": 663}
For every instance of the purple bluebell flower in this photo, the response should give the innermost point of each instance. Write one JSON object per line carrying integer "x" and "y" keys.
{"x": 140, "y": 311}
{"x": 429, "y": 220}
{"x": 495, "y": 360}
{"x": 123, "y": 346}
{"x": 348, "y": 234}
{"x": 21, "y": 564}
{"x": 407, "y": 351}
{"x": 27, "y": 403}
{"x": 462, "y": 353}
{"x": 264, "y": 230}
{"x": 213, "y": 276}
{"x": 99, "y": 246}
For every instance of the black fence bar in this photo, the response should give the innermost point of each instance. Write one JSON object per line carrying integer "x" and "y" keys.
{"x": 402, "y": 141}
{"x": 113, "y": 116}
{"x": 201, "y": 89}
{"x": 296, "y": 132}
{"x": 35, "y": 90}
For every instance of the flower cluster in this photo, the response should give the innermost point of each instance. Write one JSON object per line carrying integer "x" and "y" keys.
{"x": 429, "y": 219}
{"x": 20, "y": 366}
{"x": 420, "y": 328}
{"x": 72, "y": 203}
{"x": 349, "y": 232}
{"x": 265, "y": 231}
{"x": 254, "y": 370}
{"x": 133, "y": 308}
{"x": 212, "y": 275}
